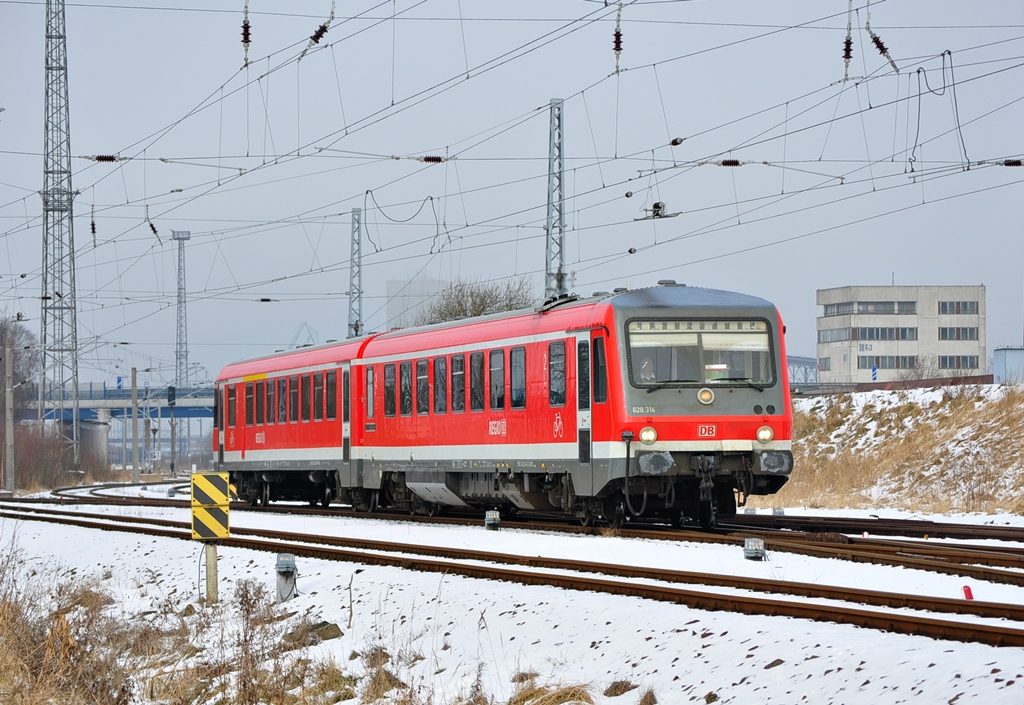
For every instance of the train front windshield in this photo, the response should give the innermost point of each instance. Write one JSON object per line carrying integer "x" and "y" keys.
{"x": 698, "y": 353}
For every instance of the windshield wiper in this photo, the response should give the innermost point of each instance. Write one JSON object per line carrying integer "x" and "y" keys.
{"x": 750, "y": 382}
{"x": 662, "y": 385}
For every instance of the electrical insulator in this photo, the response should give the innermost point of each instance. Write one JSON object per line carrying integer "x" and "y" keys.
{"x": 319, "y": 34}
{"x": 617, "y": 37}
{"x": 106, "y": 158}
{"x": 730, "y": 162}
{"x": 246, "y": 33}
{"x": 676, "y": 141}
{"x": 1011, "y": 162}
{"x": 848, "y": 49}
{"x": 629, "y": 194}
{"x": 152, "y": 227}
{"x": 432, "y": 160}
{"x": 658, "y": 209}
{"x": 617, "y": 41}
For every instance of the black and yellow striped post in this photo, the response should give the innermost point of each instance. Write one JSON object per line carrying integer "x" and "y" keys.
{"x": 211, "y": 520}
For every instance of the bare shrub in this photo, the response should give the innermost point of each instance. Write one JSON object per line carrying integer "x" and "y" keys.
{"x": 475, "y": 298}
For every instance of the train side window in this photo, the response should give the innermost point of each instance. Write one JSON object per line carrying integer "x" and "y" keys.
{"x": 260, "y": 399}
{"x": 476, "y": 381}
{"x": 389, "y": 390}
{"x": 306, "y": 396}
{"x": 282, "y": 400}
{"x": 344, "y": 396}
{"x": 271, "y": 409}
{"x": 458, "y": 383}
{"x": 332, "y": 394}
{"x": 556, "y": 373}
{"x": 231, "y": 406}
{"x": 583, "y": 374}
{"x": 293, "y": 399}
{"x": 497, "y": 380}
{"x": 517, "y": 370}
{"x": 440, "y": 385}
{"x": 248, "y": 403}
{"x": 369, "y": 392}
{"x": 600, "y": 372}
{"x": 217, "y": 407}
{"x": 318, "y": 396}
{"x": 422, "y": 387}
{"x": 405, "y": 388}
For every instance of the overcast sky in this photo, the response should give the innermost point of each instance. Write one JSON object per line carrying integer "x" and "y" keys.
{"x": 842, "y": 182}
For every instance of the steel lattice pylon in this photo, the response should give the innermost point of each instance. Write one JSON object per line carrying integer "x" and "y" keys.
{"x": 181, "y": 342}
{"x": 58, "y": 327}
{"x": 355, "y": 279}
{"x": 554, "y": 264}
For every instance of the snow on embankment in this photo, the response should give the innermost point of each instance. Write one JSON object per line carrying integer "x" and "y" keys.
{"x": 942, "y": 449}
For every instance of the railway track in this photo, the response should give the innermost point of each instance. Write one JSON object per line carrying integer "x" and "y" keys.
{"x": 592, "y": 576}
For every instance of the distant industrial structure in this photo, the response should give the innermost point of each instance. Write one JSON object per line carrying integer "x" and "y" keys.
{"x": 895, "y": 333}
{"x": 1008, "y": 365}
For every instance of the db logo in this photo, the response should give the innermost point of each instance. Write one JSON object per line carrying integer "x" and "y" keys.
{"x": 707, "y": 431}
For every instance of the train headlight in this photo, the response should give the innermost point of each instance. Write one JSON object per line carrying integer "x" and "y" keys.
{"x": 648, "y": 435}
{"x": 765, "y": 434}
{"x": 705, "y": 396}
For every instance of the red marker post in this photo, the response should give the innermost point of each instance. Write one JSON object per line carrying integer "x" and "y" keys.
{"x": 968, "y": 595}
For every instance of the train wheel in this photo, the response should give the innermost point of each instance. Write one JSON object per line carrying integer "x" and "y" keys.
{"x": 325, "y": 497}
{"x": 374, "y": 501}
{"x": 588, "y": 519}
{"x": 265, "y": 494}
{"x": 707, "y": 516}
{"x": 678, "y": 520}
{"x": 616, "y": 520}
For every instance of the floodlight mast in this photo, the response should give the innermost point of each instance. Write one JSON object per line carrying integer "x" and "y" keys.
{"x": 181, "y": 343}
{"x": 58, "y": 327}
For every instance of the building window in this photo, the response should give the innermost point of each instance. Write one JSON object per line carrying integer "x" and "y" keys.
{"x": 517, "y": 363}
{"x": 476, "y": 381}
{"x": 842, "y": 309}
{"x": 958, "y": 333}
{"x": 885, "y": 333}
{"x": 958, "y": 362}
{"x": 458, "y": 383}
{"x": 389, "y": 390}
{"x": 556, "y": 373}
{"x": 497, "y": 372}
{"x": 405, "y": 388}
{"x": 440, "y": 385}
{"x": 958, "y": 307}
{"x": 833, "y": 335}
{"x": 422, "y": 388}
{"x": 887, "y": 362}
{"x": 824, "y": 364}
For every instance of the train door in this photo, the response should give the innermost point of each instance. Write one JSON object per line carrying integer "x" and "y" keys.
{"x": 583, "y": 479}
{"x": 345, "y": 475}
{"x": 218, "y": 417}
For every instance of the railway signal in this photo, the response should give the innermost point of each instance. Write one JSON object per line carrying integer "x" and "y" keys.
{"x": 210, "y": 520}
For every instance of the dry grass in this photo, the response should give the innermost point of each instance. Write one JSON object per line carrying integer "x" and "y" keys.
{"x": 962, "y": 453}
{"x": 529, "y": 692}
{"x": 618, "y": 688}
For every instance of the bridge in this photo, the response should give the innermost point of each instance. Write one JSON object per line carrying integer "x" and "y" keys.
{"x": 98, "y": 402}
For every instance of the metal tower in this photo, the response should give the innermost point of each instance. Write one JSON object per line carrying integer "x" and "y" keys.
{"x": 355, "y": 279}
{"x": 554, "y": 266}
{"x": 58, "y": 326}
{"x": 181, "y": 346}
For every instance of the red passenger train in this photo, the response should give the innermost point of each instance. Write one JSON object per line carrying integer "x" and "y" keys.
{"x": 670, "y": 402}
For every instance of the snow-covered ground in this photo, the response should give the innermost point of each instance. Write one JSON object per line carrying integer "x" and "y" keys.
{"x": 462, "y": 626}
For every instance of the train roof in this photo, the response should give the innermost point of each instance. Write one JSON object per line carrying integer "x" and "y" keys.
{"x": 558, "y": 311}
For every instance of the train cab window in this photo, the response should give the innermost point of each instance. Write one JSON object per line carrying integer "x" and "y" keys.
{"x": 318, "y": 396}
{"x": 305, "y": 392}
{"x": 458, "y": 383}
{"x": 282, "y": 400}
{"x": 517, "y": 369}
{"x": 556, "y": 373}
{"x": 583, "y": 374}
{"x": 600, "y": 372}
{"x": 440, "y": 385}
{"x": 293, "y": 399}
{"x": 248, "y": 403}
{"x": 331, "y": 382}
{"x": 344, "y": 396}
{"x": 422, "y": 387}
{"x": 231, "y": 406}
{"x": 497, "y": 365}
{"x": 405, "y": 388}
{"x": 271, "y": 409}
{"x": 369, "y": 392}
{"x": 476, "y": 381}
{"x": 260, "y": 399}
{"x": 389, "y": 390}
